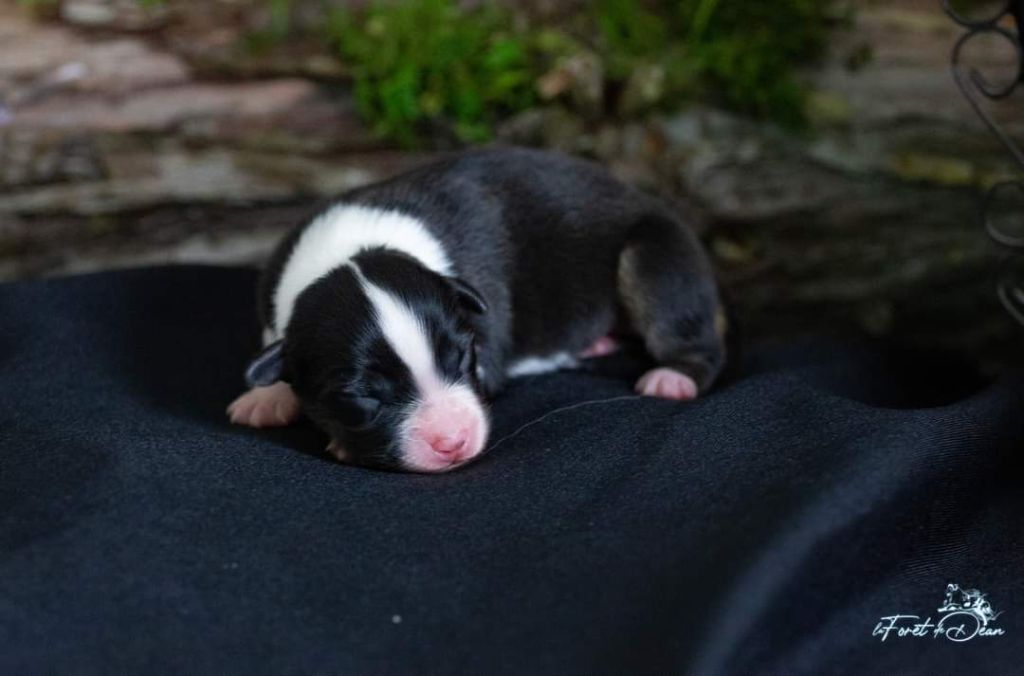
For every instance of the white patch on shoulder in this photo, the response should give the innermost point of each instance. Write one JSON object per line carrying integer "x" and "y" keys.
{"x": 531, "y": 366}
{"x": 338, "y": 234}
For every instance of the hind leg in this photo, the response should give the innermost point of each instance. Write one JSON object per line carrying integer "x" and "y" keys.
{"x": 667, "y": 288}
{"x": 667, "y": 383}
{"x": 602, "y": 347}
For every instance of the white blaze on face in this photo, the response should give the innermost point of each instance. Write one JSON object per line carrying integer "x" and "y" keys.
{"x": 447, "y": 425}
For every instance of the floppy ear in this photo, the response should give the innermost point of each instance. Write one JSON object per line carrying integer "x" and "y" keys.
{"x": 469, "y": 296}
{"x": 266, "y": 368}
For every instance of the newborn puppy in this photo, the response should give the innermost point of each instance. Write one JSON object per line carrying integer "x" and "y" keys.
{"x": 394, "y": 314}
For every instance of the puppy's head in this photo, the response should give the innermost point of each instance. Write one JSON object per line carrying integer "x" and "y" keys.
{"x": 382, "y": 354}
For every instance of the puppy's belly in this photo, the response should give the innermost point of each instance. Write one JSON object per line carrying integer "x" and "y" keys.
{"x": 534, "y": 365}
{"x": 531, "y": 365}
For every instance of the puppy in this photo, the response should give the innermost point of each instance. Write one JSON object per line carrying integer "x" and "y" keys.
{"x": 394, "y": 314}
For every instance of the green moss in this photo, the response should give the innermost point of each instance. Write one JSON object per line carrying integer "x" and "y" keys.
{"x": 828, "y": 109}
{"x": 41, "y": 9}
{"x": 423, "y": 66}
{"x": 742, "y": 54}
{"x": 421, "y": 62}
{"x": 947, "y": 171}
{"x": 428, "y": 60}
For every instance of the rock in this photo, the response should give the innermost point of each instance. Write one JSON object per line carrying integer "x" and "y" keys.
{"x": 580, "y": 79}
{"x": 89, "y": 13}
{"x": 644, "y": 89}
{"x": 42, "y": 158}
{"x": 828, "y": 109}
{"x": 182, "y": 175}
{"x": 165, "y": 108}
{"x": 552, "y": 126}
{"x": 39, "y": 60}
{"x": 523, "y": 129}
{"x": 179, "y": 206}
{"x": 127, "y": 15}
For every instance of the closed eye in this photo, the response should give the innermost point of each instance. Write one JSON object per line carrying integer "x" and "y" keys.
{"x": 357, "y": 412}
{"x": 459, "y": 361}
{"x": 467, "y": 364}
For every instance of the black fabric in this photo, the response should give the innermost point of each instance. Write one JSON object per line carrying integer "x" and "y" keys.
{"x": 763, "y": 529}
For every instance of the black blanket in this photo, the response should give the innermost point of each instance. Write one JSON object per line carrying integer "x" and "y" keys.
{"x": 778, "y": 526}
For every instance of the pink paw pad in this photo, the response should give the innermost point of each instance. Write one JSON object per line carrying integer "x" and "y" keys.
{"x": 668, "y": 384}
{"x": 272, "y": 406}
{"x": 602, "y": 347}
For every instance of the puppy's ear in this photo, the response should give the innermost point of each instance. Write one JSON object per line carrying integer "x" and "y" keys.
{"x": 267, "y": 367}
{"x": 468, "y": 296}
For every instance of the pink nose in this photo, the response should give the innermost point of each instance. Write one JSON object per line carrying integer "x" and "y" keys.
{"x": 449, "y": 446}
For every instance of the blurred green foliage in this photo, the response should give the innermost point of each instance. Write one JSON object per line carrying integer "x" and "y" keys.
{"x": 743, "y": 55}
{"x": 423, "y": 60}
{"x": 423, "y": 66}
{"x": 751, "y": 56}
{"x": 415, "y": 62}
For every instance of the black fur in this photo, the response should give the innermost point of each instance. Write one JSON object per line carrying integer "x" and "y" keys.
{"x": 549, "y": 254}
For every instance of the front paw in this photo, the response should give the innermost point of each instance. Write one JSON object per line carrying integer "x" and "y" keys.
{"x": 668, "y": 384}
{"x": 272, "y": 406}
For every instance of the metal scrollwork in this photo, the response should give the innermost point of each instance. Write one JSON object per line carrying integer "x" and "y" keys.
{"x": 976, "y": 88}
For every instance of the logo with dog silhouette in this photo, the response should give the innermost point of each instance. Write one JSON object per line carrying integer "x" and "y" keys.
{"x": 965, "y": 614}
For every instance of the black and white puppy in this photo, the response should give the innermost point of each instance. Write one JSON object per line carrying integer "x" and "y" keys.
{"x": 394, "y": 314}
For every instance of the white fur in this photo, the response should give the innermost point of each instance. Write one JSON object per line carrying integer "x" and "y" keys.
{"x": 340, "y": 233}
{"x": 531, "y": 366}
{"x": 441, "y": 407}
{"x": 452, "y": 410}
{"x": 405, "y": 334}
